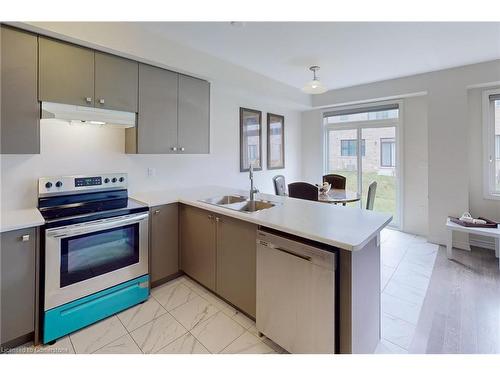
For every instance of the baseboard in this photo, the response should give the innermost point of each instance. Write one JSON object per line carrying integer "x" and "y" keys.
{"x": 5, "y": 347}
{"x": 483, "y": 242}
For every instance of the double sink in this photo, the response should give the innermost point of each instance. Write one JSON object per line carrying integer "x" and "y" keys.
{"x": 239, "y": 203}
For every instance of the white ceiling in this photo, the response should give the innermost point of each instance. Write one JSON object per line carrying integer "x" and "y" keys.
{"x": 349, "y": 53}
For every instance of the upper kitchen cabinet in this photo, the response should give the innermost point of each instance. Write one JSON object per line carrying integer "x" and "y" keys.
{"x": 194, "y": 115}
{"x": 66, "y": 73}
{"x": 116, "y": 82}
{"x": 156, "y": 131}
{"x": 20, "y": 125}
{"x": 76, "y": 75}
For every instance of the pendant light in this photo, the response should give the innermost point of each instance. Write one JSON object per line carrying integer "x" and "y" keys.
{"x": 314, "y": 86}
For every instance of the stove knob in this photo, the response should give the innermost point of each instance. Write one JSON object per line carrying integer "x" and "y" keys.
{"x": 106, "y": 180}
{"x": 114, "y": 179}
{"x": 48, "y": 185}
{"x": 122, "y": 179}
{"x": 59, "y": 183}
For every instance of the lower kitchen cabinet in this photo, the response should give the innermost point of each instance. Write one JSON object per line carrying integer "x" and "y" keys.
{"x": 236, "y": 262}
{"x": 198, "y": 244}
{"x": 220, "y": 253}
{"x": 17, "y": 273}
{"x": 164, "y": 242}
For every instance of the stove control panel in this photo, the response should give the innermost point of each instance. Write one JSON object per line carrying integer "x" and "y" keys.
{"x": 60, "y": 185}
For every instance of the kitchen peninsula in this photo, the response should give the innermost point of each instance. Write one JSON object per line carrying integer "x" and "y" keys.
{"x": 352, "y": 234}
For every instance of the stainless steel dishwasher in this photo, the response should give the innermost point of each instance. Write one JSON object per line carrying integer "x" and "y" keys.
{"x": 295, "y": 294}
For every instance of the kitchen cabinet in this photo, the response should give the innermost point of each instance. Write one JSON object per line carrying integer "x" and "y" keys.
{"x": 220, "y": 253}
{"x": 194, "y": 115}
{"x": 156, "y": 131}
{"x": 20, "y": 110}
{"x": 66, "y": 73}
{"x": 17, "y": 252}
{"x": 76, "y": 75}
{"x": 236, "y": 262}
{"x": 174, "y": 114}
{"x": 198, "y": 245}
{"x": 164, "y": 243}
{"x": 116, "y": 82}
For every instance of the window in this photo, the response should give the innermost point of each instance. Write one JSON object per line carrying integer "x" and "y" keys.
{"x": 252, "y": 153}
{"x": 348, "y": 147}
{"x": 497, "y": 144}
{"x": 491, "y": 143}
{"x": 387, "y": 152}
{"x": 383, "y": 113}
{"x": 361, "y": 143}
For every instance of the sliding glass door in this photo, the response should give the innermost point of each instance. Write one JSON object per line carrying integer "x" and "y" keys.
{"x": 362, "y": 145}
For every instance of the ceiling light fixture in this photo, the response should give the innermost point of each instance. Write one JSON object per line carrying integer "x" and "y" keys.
{"x": 314, "y": 86}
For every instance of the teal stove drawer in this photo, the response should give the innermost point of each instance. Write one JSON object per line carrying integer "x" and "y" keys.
{"x": 75, "y": 315}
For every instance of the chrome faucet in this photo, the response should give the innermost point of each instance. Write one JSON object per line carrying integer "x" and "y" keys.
{"x": 253, "y": 190}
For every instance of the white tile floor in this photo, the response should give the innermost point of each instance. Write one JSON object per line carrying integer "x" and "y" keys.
{"x": 407, "y": 263}
{"x": 179, "y": 317}
{"x": 183, "y": 317}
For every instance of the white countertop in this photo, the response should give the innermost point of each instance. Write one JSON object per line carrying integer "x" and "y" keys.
{"x": 20, "y": 219}
{"x": 344, "y": 227}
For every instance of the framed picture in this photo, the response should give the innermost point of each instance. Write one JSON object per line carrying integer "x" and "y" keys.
{"x": 250, "y": 139}
{"x": 275, "y": 141}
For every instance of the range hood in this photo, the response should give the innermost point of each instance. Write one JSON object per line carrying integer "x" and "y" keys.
{"x": 78, "y": 115}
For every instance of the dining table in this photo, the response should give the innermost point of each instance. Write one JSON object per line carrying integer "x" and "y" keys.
{"x": 339, "y": 196}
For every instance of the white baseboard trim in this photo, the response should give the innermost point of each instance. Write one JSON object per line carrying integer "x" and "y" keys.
{"x": 484, "y": 242}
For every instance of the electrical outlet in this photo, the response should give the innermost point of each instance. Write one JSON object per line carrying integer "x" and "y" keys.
{"x": 151, "y": 172}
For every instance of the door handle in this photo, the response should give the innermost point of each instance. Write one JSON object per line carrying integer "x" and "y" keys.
{"x": 156, "y": 212}
{"x": 88, "y": 99}
{"x": 25, "y": 238}
{"x": 174, "y": 148}
{"x": 101, "y": 101}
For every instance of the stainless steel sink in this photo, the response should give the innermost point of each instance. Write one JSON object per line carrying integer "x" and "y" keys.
{"x": 239, "y": 203}
{"x": 226, "y": 199}
{"x": 253, "y": 206}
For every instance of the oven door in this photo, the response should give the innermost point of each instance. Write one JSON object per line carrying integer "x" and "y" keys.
{"x": 85, "y": 258}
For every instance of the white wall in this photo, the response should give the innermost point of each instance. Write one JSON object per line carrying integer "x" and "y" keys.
{"x": 72, "y": 150}
{"x": 448, "y": 133}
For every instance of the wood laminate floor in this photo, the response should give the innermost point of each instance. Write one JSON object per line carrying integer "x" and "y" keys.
{"x": 461, "y": 311}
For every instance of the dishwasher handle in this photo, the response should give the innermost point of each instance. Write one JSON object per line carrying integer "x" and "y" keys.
{"x": 290, "y": 252}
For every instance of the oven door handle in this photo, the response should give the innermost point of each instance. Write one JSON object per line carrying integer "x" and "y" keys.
{"x": 95, "y": 226}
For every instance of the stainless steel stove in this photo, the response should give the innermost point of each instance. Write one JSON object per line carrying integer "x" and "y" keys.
{"x": 94, "y": 253}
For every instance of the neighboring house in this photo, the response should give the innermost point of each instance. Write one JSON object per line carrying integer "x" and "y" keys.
{"x": 378, "y": 150}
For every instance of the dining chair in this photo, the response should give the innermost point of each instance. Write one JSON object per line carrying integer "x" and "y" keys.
{"x": 279, "y": 185}
{"x": 370, "y": 197}
{"x": 303, "y": 190}
{"x": 337, "y": 181}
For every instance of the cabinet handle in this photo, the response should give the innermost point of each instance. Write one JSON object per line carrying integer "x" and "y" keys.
{"x": 88, "y": 99}
{"x": 218, "y": 220}
{"x": 182, "y": 148}
{"x": 174, "y": 148}
{"x": 25, "y": 238}
{"x": 156, "y": 212}
{"x": 210, "y": 217}
{"x": 101, "y": 101}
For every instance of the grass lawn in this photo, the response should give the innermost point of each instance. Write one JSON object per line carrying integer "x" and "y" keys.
{"x": 385, "y": 197}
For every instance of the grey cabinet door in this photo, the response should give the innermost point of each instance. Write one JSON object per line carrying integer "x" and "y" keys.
{"x": 157, "y": 120}
{"x": 66, "y": 73}
{"x": 198, "y": 247}
{"x": 236, "y": 262}
{"x": 17, "y": 284}
{"x": 164, "y": 242}
{"x": 116, "y": 82}
{"x": 20, "y": 119}
{"x": 194, "y": 115}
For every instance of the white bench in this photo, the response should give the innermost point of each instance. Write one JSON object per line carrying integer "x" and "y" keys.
{"x": 488, "y": 232}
